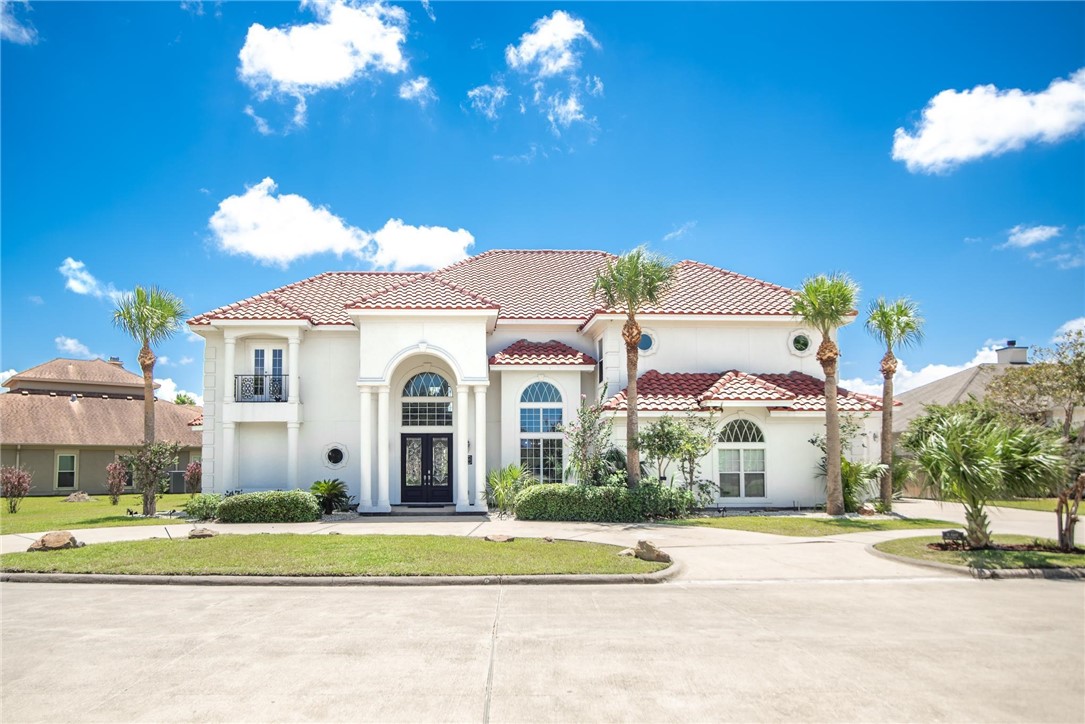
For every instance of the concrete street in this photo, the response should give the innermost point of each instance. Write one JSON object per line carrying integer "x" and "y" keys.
{"x": 758, "y": 628}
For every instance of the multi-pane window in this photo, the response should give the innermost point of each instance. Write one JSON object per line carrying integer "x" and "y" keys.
{"x": 66, "y": 470}
{"x": 258, "y": 359}
{"x": 435, "y": 409}
{"x": 741, "y": 452}
{"x": 541, "y": 438}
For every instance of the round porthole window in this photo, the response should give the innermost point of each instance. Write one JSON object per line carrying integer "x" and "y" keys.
{"x": 800, "y": 343}
{"x": 335, "y": 456}
{"x": 647, "y": 342}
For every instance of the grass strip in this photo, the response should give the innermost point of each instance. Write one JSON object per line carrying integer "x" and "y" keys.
{"x": 989, "y": 559}
{"x": 810, "y": 526}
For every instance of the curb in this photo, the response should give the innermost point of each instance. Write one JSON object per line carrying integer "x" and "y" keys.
{"x": 986, "y": 574}
{"x": 662, "y": 576}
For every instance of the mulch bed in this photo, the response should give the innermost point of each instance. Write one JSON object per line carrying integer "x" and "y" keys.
{"x": 1005, "y": 547}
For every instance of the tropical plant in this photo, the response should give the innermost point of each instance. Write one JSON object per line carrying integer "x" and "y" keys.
{"x": 14, "y": 485}
{"x": 634, "y": 281}
{"x": 150, "y": 465}
{"x": 116, "y": 480}
{"x": 193, "y": 477}
{"x": 895, "y": 324}
{"x": 183, "y": 398}
{"x": 587, "y": 437}
{"x": 857, "y": 479}
{"x": 503, "y": 484}
{"x": 149, "y": 316}
{"x": 825, "y": 303}
{"x": 331, "y": 494}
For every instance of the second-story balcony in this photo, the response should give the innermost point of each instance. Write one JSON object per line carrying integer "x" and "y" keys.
{"x": 261, "y": 388}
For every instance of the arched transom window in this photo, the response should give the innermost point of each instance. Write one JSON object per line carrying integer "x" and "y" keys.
{"x": 741, "y": 451}
{"x": 427, "y": 401}
{"x": 541, "y": 438}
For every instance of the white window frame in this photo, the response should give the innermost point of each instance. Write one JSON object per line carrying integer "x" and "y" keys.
{"x": 742, "y": 472}
{"x": 450, "y": 400}
{"x": 74, "y": 454}
{"x": 540, "y": 436}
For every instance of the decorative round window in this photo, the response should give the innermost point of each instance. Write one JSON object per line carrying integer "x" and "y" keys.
{"x": 335, "y": 456}
{"x": 647, "y": 342}
{"x": 800, "y": 343}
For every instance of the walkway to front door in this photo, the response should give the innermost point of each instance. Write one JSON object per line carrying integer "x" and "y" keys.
{"x": 427, "y": 468}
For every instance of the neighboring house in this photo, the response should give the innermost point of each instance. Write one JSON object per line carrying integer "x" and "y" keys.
{"x": 410, "y": 386}
{"x": 67, "y": 419}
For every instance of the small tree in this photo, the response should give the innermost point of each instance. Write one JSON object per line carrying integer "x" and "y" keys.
{"x": 661, "y": 443}
{"x": 698, "y": 437}
{"x": 116, "y": 478}
{"x": 193, "y": 477}
{"x": 14, "y": 485}
{"x": 150, "y": 466}
{"x": 1066, "y": 511}
{"x": 588, "y": 437}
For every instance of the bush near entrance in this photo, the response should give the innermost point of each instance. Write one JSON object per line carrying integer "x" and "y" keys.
{"x": 274, "y": 506}
{"x": 603, "y": 504}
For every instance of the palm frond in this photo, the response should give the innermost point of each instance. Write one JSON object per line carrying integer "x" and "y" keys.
{"x": 149, "y": 315}
{"x": 895, "y": 324}
{"x": 826, "y": 301}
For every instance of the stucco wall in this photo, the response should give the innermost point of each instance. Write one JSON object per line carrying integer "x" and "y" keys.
{"x": 90, "y": 467}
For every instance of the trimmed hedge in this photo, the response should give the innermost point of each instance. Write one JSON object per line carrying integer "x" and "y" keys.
{"x": 603, "y": 504}
{"x": 204, "y": 506}
{"x": 274, "y": 506}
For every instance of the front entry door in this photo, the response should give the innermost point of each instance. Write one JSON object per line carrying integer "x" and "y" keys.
{"x": 427, "y": 468}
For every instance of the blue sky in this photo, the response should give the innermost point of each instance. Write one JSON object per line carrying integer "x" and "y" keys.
{"x": 219, "y": 150}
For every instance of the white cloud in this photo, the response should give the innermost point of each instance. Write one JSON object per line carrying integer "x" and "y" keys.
{"x": 72, "y": 346}
{"x": 169, "y": 391}
{"x": 192, "y": 6}
{"x": 488, "y": 99}
{"x": 961, "y": 126}
{"x": 552, "y": 47}
{"x": 280, "y": 228}
{"x": 563, "y": 112}
{"x": 350, "y": 40}
{"x": 528, "y": 156}
{"x": 7, "y": 375}
{"x": 401, "y": 246}
{"x": 262, "y": 126}
{"x": 680, "y": 231}
{"x": 429, "y": 10}
{"x": 593, "y": 84}
{"x": 418, "y": 90}
{"x": 81, "y": 281}
{"x": 14, "y": 30}
{"x": 163, "y": 360}
{"x": 1065, "y": 329}
{"x": 906, "y": 379}
{"x": 186, "y": 361}
{"x": 1021, "y": 236}
{"x": 35, "y": 299}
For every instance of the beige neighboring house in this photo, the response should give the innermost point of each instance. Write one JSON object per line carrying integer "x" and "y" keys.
{"x": 67, "y": 419}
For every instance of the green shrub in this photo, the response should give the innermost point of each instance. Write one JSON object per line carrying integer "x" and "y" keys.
{"x": 330, "y": 495}
{"x": 204, "y": 506}
{"x": 274, "y": 506}
{"x": 503, "y": 484}
{"x": 603, "y": 504}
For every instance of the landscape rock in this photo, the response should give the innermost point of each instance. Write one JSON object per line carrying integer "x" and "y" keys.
{"x": 78, "y": 497}
{"x": 646, "y": 550}
{"x": 548, "y": 539}
{"x": 500, "y": 538}
{"x": 867, "y": 509}
{"x": 627, "y": 552}
{"x": 55, "y": 541}
{"x": 202, "y": 533}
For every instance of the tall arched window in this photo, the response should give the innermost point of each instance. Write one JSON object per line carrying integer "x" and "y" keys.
{"x": 427, "y": 401}
{"x": 741, "y": 451}
{"x": 541, "y": 437}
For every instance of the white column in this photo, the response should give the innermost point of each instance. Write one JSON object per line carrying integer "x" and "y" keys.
{"x": 480, "y": 447}
{"x": 383, "y": 451}
{"x": 292, "y": 454}
{"x": 365, "y": 451}
{"x": 293, "y": 393}
{"x": 461, "y": 480}
{"x": 226, "y": 464}
{"x": 228, "y": 369}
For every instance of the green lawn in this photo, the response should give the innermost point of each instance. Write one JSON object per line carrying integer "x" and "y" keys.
{"x": 43, "y": 514}
{"x": 1046, "y": 505}
{"x": 342, "y": 555}
{"x": 809, "y": 526}
{"x": 917, "y": 548}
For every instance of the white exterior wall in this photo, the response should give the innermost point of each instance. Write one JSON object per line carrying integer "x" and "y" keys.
{"x": 513, "y": 383}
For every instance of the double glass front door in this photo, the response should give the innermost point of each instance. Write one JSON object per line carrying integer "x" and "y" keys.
{"x": 427, "y": 468}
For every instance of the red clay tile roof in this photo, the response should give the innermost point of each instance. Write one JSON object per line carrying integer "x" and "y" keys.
{"x": 49, "y": 420}
{"x": 197, "y": 422}
{"x": 423, "y": 292}
{"x": 553, "y": 352}
{"x": 522, "y": 284}
{"x": 687, "y": 392}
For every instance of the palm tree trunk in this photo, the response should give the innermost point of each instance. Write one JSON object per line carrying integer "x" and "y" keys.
{"x": 146, "y": 363}
{"x": 889, "y": 366}
{"x": 834, "y": 491}
{"x": 632, "y": 458}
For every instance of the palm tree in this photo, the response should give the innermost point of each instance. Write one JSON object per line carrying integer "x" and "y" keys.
{"x": 825, "y": 302}
{"x": 149, "y": 316}
{"x": 633, "y": 281}
{"x": 894, "y": 324}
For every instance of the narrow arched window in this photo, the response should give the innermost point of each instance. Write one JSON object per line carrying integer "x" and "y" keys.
{"x": 427, "y": 401}
{"x": 741, "y": 451}
{"x": 541, "y": 436}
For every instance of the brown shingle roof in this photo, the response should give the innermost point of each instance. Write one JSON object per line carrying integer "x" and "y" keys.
{"x": 523, "y": 352}
{"x": 49, "y": 420}
{"x": 84, "y": 372}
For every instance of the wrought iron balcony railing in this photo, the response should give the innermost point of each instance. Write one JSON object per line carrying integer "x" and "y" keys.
{"x": 261, "y": 388}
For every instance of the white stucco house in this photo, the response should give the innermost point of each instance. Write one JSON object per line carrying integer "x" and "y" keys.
{"x": 410, "y": 386}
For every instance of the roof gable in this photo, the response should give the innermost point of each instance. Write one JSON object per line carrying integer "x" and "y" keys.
{"x": 423, "y": 292}
{"x": 552, "y": 353}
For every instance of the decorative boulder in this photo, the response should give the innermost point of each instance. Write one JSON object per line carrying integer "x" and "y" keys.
{"x": 500, "y": 538}
{"x": 627, "y": 552}
{"x": 646, "y": 550}
{"x": 78, "y": 497}
{"x": 867, "y": 509}
{"x": 202, "y": 533}
{"x": 55, "y": 541}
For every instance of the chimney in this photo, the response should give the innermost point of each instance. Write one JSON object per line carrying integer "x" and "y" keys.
{"x": 116, "y": 361}
{"x": 1011, "y": 354}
